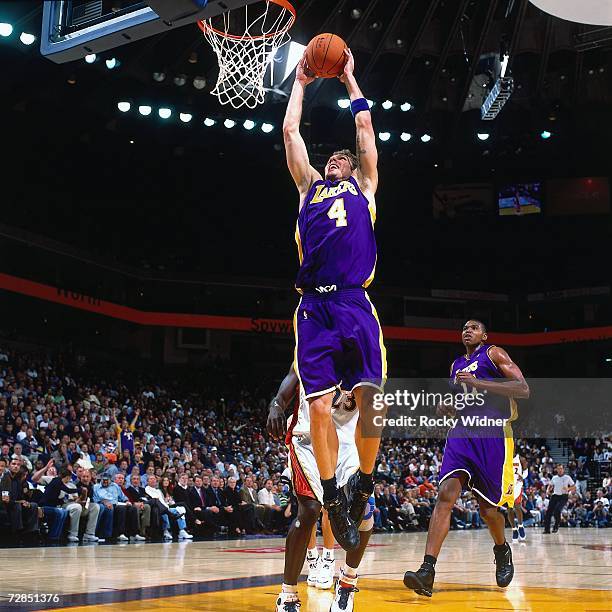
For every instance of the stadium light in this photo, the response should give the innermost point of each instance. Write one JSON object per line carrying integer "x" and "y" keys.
{"x": 112, "y": 63}
{"x": 165, "y": 113}
{"x": 425, "y": 138}
{"x": 294, "y": 55}
{"x": 267, "y": 128}
{"x": 144, "y": 110}
{"x": 498, "y": 96}
{"x": 124, "y": 107}
{"x": 406, "y": 136}
{"x": 546, "y": 135}
{"x": 406, "y": 106}
{"x": 209, "y": 122}
{"x": 6, "y": 29}
{"x": 91, "y": 58}
{"x": 159, "y": 77}
{"x": 248, "y": 124}
{"x": 370, "y": 102}
{"x": 229, "y": 123}
{"x": 344, "y": 102}
{"x": 27, "y": 39}
{"x": 387, "y": 104}
{"x": 483, "y": 136}
{"x": 199, "y": 82}
{"x": 384, "y": 136}
{"x": 186, "y": 117}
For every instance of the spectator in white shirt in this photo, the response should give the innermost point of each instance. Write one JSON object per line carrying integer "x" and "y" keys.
{"x": 273, "y": 512}
{"x": 179, "y": 512}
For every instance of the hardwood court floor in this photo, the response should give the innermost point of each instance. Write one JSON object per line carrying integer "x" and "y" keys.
{"x": 570, "y": 570}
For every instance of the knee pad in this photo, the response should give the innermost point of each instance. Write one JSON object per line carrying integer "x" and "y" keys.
{"x": 368, "y": 516}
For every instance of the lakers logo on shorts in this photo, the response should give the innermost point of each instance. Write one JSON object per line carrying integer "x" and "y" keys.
{"x": 510, "y": 489}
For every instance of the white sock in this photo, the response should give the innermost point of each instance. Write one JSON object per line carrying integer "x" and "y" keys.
{"x": 312, "y": 552}
{"x": 328, "y": 553}
{"x": 289, "y": 588}
{"x": 520, "y": 525}
{"x": 348, "y": 575}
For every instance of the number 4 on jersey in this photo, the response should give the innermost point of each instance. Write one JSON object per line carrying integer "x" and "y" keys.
{"x": 338, "y": 212}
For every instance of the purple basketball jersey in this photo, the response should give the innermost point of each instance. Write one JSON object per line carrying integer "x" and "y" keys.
{"x": 480, "y": 365}
{"x": 483, "y": 453}
{"x": 335, "y": 237}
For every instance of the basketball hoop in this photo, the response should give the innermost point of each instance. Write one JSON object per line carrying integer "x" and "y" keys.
{"x": 244, "y": 58}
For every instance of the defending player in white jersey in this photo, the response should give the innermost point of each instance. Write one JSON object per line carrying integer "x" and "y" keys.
{"x": 308, "y": 489}
{"x": 519, "y": 466}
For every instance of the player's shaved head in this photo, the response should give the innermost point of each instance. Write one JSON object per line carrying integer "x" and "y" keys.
{"x": 478, "y": 322}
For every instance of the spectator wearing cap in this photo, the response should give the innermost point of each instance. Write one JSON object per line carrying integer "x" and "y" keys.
{"x": 110, "y": 496}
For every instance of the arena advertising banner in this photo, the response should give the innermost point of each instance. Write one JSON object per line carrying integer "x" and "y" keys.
{"x": 578, "y": 196}
{"x": 75, "y": 299}
{"x": 467, "y": 200}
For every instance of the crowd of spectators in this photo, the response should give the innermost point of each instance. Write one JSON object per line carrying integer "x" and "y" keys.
{"x": 93, "y": 455}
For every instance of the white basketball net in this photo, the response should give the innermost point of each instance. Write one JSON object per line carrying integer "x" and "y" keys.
{"x": 244, "y": 58}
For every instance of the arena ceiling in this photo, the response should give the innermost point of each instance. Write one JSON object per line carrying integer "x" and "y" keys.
{"x": 123, "y": 185}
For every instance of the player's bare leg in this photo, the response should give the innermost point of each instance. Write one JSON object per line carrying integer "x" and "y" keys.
{"x": 325, "y": 579}
{"x": 504, "y": 571}
{"x": 295, "y": 552}
{"x": 325, "y": 447}
{"x": 518, "y": 510}
{"x": 421, "y": 581}
{"x": 511, "y": 519}
{"x": 518, "y": 531}
{"x": 322, "y": 433}
{"x": 312, "y": 558}
{"x": 346, "y": 585}
{"x": 367, "y": 440}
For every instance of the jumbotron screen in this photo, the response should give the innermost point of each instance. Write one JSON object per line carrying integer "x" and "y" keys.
{"x": 520, "y": 199}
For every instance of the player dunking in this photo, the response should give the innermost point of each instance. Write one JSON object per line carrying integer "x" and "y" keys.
{"x": 308, "y": 490}
{"x": 478, "y": 458}
{"x": 337, "y": 332}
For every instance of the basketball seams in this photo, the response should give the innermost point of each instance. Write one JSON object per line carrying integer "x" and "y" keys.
{"x": 325, "y": 54}
{"x": 340, "y": 59}
{"x": 329, "y": 42}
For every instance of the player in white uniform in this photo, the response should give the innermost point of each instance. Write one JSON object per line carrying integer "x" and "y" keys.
{"x": 307, "y": 487}
{"x": 519, "y": 466}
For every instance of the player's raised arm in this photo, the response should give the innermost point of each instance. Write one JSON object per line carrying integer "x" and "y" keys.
{"x": 366, "y": 140}
{"x": 297, "y": 156}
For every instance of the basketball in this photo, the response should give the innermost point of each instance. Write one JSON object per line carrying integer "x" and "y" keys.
{"x": 325, "y": 55}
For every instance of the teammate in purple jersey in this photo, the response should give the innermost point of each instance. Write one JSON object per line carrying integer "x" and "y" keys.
{"x": 476, "y": 458}
{"x": 338, "y": 336}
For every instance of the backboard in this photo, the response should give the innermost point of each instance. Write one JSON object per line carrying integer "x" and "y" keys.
{"x": 72, "y": 29}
